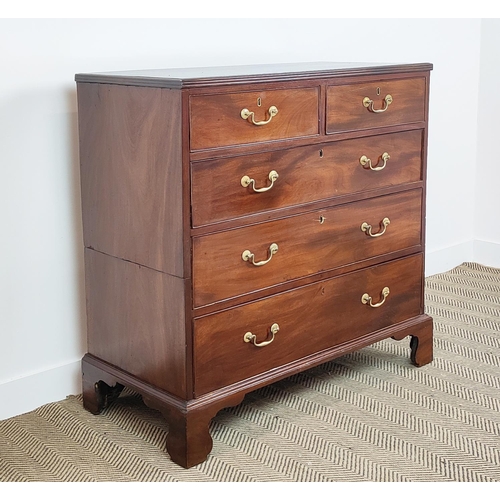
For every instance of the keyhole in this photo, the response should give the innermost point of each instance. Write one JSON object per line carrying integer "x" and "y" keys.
{"x": 321, "y": 219}
{"x": 378, "y": 90}
{"x": 259, "y": 102}
{"x": 321, "y": 153}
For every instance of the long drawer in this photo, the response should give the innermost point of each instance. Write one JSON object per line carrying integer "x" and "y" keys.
{"x": 238, "y": 261}
{"x": 248, "y": 117}
{"x": 374, "y": 104}
{"x": 227, "y": 188}
{"x": 303, "y": 321}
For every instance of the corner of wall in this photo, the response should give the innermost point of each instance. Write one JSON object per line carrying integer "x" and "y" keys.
{"x": 27, "y": 393}
{"x": 439, "y": 261}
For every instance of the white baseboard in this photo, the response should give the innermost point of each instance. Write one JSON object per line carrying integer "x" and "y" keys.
{"x": 27, "y": 393}
{"x": 445, "y": 259}
{"x": 487, "y": 253}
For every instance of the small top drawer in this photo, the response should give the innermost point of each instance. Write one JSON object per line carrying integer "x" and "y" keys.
{"x": 218, "y": 120}
{"x": 374, "y": 104}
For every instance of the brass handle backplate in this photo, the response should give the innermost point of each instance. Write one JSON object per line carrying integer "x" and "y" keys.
{"x": 366, "y": 299}
{"x": 250, "y": 337}
{"x": 246, "y": 181}
{"x": 249, "y": 256}
{"x": 368, "y": 103}
{"x": 246, "y": 114}
{"x": 364, "y": 160}
{"x": 367, "y": 228}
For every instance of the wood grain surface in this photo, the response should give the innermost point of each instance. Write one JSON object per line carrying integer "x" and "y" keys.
{"x": 215, "y": 120}
{"x": 306, "y": 174}
{"x": 305, "y": 245}
{"x": 345, "y": 110}
{"x": 136, "y": 320}
{"x": 311, "y": 318}
{"x": 131, "y": 180}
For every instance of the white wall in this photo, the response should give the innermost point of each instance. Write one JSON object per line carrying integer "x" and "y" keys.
{"x": 487, "y": 208}
{"x": 42, "y": 320}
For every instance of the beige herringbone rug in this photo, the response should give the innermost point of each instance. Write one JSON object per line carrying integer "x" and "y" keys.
{"x": 369, "y": 416}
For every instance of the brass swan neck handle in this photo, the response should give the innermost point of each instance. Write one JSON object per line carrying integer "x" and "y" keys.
{"x": 246, "y": 114}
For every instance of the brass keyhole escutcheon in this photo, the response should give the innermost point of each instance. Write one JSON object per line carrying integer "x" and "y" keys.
{"x": 378, "y": 90}
{"x": 259, "y": 102}
{"x": 321, "y": 153}
{"x": 322, "y": 219}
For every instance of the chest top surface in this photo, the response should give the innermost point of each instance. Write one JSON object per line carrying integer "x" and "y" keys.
{"x": 263, "y": 73}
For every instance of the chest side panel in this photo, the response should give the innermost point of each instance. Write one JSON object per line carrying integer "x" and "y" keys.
{"x": 131, "y": 173}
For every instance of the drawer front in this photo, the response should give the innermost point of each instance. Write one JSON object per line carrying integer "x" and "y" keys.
{"x": 310, "y": 319}
{"x": 221, "y": 189}
{"x": 302, "y": 245}
{"x": 216, "y": 120}
{"x": 367, "y": 105}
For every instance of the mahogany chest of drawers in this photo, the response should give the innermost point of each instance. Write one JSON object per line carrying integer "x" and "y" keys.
{"x": 243, "y": 224}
